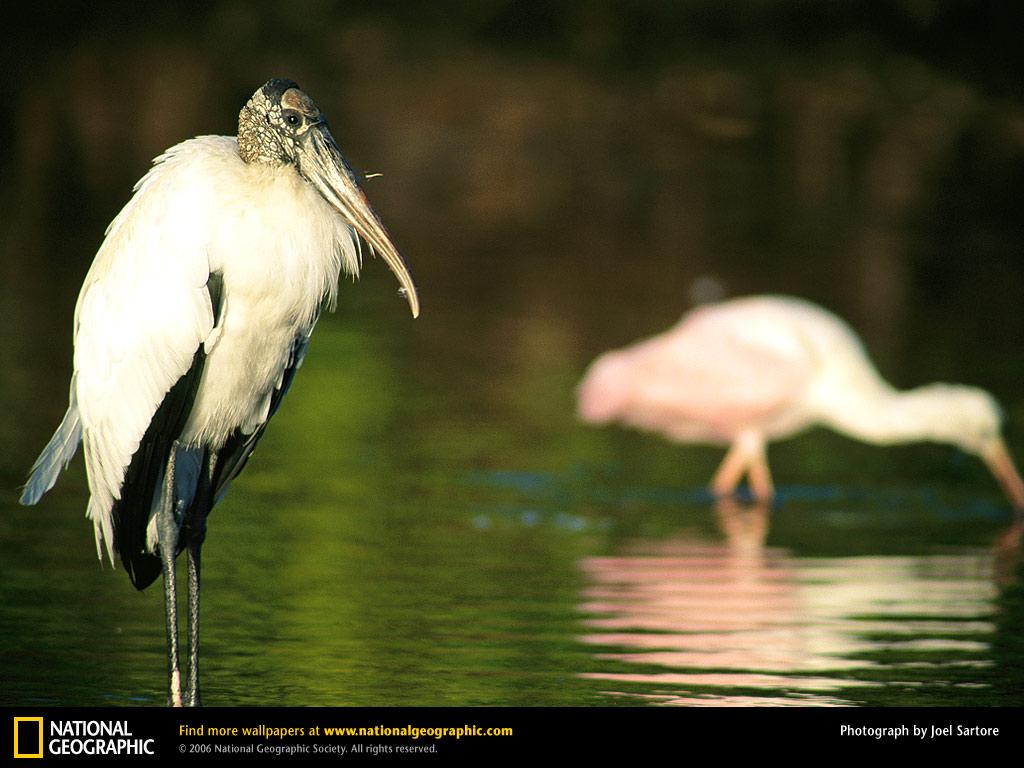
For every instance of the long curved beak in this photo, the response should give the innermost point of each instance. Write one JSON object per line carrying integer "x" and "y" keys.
{"x": 999, "y": 461}
{"x": 322, "y": 165}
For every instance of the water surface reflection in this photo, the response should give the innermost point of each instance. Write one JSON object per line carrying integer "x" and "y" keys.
{"x": 693, "y": 621}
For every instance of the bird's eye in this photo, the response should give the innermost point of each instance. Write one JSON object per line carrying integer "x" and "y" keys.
{"x": 292, "y": 118}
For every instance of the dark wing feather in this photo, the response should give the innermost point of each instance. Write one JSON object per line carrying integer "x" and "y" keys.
{"x": 131, "y": 513}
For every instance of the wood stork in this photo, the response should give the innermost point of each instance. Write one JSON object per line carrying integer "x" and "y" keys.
{"x": 751, "y": 370}
{"x": 189, "y": 328}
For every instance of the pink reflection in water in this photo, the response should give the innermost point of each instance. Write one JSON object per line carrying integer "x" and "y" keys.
{"x": 794, "y": 700}
{"x": 735, "y": 615}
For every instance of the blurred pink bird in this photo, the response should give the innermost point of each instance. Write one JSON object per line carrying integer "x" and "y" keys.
{"x": 751, "y": 370}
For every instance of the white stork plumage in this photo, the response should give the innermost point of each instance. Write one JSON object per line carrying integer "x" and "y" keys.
{"x": 189, "y": 328}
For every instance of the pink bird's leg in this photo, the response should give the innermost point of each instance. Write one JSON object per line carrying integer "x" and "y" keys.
{"x": 760, "y": 477}
{"x": 746, "y": 455}
{"x": 731, "y": 470}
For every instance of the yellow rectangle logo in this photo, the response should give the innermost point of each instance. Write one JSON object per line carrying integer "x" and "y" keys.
{"x": 30, "y": 743}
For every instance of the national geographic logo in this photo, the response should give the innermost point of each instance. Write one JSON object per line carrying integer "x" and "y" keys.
{"x": 76, "y": 737}
{"x": 28, "y": 737}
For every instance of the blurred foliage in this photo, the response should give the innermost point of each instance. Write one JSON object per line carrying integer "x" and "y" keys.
{"x": 972, "y": 38}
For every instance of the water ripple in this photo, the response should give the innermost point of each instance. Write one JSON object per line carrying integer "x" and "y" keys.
{"x": 700, "y": 623}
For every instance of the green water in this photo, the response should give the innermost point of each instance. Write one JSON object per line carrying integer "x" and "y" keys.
{"x": 425, "y": 521}
{"x": 380, "y": 551}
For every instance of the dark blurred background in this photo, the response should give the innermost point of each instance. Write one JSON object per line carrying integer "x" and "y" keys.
{"x": 562, "y": 178}
{"x": 579, "y": 164}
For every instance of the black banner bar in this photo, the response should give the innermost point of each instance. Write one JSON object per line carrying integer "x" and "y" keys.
{"x": 443, "y": 736}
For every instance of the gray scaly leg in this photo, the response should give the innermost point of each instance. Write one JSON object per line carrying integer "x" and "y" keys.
{"x": 192, "y": 689}
{"x": 167, "y": 542}
{"x": 196, "y": 533}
